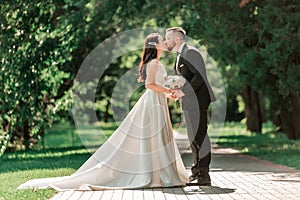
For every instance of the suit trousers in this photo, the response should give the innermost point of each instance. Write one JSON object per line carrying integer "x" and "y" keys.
{"x": 196, "y": 122}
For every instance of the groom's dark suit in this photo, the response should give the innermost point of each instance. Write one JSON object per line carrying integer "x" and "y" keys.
{"x": 198, "y": 95}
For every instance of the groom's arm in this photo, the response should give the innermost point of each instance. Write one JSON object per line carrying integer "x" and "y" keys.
{"x": 196, "y": 65}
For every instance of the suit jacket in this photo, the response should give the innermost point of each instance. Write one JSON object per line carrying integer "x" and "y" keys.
{"x": 197, "y": 88}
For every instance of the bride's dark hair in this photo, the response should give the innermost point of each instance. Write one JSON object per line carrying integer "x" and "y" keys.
{"x": 149, "y": 53}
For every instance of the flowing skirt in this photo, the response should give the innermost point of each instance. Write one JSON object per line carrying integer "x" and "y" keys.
{"x": 141, "y": 153}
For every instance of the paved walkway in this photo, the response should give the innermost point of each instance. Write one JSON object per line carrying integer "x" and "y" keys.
{"x": 234, "y": 176}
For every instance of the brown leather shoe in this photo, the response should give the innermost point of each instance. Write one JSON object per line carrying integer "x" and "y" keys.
{"x": 204, "y": 178}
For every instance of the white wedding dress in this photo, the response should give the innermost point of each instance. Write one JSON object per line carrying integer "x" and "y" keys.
{"x": 141, "y": 153}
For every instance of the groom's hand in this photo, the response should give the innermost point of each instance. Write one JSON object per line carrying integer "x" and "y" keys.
{"x": 178, "y": 93}
{"x": 172, "y": 96}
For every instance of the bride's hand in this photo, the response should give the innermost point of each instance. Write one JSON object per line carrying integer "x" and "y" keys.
{"x": 171, "y": 91}
{"x": 171, "y": 95}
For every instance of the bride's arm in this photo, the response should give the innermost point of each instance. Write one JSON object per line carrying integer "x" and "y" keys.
{"x": 150, "y": 79}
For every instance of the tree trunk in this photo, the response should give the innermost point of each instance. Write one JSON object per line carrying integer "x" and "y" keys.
{"x": 290, "y": 117}
{"x": 253, "y": 109}
{"x": 106, "y": 114}
{"x": 26, "y": 134}
{"x": 296, "y": 116}
{"x": 275, "y": 114}
{"x": 261, "y": 107}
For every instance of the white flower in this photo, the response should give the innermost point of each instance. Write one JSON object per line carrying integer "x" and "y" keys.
{"x": 175, "y": 82}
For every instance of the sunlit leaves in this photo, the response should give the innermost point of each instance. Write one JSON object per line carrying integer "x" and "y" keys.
{"x": 37, "y": 42}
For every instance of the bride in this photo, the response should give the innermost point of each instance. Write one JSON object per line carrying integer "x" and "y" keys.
{"x": 142, "y": 152}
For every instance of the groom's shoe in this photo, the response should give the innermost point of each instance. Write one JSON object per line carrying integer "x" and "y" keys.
{"x": 204, "y": 178}
{"x": 201, "y": 181}
{"x": 192, "y": 178}
{"x": 204, "y": 181}
{"x": 195, "y": 183}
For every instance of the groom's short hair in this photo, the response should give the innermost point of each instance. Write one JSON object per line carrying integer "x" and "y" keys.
{"x": 177, "y": 29}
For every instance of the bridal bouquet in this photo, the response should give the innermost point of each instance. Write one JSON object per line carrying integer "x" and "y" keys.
{"x": 175, "y": 82}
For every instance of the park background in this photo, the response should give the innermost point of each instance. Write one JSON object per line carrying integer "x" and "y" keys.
{"x": 43, "y": 43}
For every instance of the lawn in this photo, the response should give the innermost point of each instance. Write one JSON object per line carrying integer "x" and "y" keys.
{"x": 16, "y": 168}
{"x": 62, "y": 151}
{"x": 59, "y": 153}
{"x": 269, "y": 145}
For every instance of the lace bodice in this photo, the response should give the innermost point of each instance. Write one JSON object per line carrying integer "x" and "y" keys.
{"x": 160, "y": 75}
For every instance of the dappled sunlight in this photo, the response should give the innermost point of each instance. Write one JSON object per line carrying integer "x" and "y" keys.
{"x": 44, "y": 159}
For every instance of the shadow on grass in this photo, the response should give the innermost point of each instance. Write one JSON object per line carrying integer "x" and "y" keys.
{"x": 269, "y": 139}
{"x": 271, "y": 146}
{"x": 52, "y": 158}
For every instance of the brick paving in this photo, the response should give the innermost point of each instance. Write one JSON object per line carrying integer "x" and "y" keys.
{"x": 234, "y": 176}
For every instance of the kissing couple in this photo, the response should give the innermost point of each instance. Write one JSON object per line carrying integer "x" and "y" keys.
{"x": 142, "y": 152}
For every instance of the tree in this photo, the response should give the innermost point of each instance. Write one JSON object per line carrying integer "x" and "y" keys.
{"x": 259, "y": 40}
{"x": 37, "y": 46}
{"x": 42, "y": 46}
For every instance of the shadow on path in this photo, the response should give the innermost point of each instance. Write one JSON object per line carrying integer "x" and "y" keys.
{"x": 191, "y": 190}
{"x": 209, "y": 190}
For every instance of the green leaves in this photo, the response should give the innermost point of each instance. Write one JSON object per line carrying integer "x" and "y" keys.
{"x": 260, "y": 40}
{"x": 36, "y": 53}
{"x": 42, "y": 45}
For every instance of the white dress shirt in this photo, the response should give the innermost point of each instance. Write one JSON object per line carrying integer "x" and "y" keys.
{"x": 179, "y": 52}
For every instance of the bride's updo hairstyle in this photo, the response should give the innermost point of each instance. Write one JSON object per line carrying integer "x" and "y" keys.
{"x": 149, "y": 53}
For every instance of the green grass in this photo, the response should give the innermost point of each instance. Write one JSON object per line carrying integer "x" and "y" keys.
{"x": 64, "y": 153}
{"x": 66, "y": 135}
{"x": 16, "y": 168}
{"x": 269, "y": 145}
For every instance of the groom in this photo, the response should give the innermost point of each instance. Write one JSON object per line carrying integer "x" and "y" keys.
{"x": 197, "y": 97}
